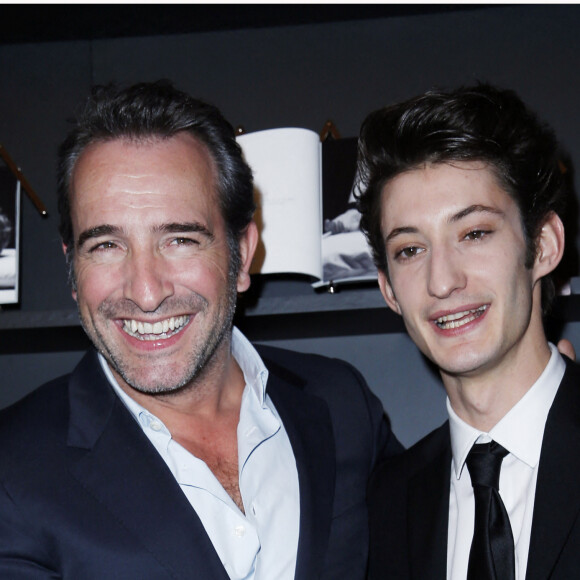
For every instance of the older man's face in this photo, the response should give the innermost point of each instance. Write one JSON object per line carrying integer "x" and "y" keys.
{"x": 154, "y": 286}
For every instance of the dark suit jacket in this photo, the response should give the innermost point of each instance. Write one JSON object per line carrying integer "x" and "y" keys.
{"x": 84, "y": 495}
{"x": 409, "y": 501}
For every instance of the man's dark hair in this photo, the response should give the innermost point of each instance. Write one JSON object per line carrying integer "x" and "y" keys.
{"x": 159, "y": 111}
{"x": 478, "y": 123}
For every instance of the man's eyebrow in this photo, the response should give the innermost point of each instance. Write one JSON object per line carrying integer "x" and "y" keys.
{"x": 185, "y": 228}
{"x": 399, "y": 231}
{"x": 476, "y": 208}
{"x": 96, "y": 232}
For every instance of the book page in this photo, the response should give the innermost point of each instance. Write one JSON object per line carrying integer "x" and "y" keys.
{"x": 287, "y": 179}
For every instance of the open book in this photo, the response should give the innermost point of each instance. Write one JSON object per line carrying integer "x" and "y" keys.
{"x": 306, "y": 215}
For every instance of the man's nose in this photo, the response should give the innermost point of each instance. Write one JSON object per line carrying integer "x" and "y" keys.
{"x": 446, "y": 273}
{"x": 147, "y": 280}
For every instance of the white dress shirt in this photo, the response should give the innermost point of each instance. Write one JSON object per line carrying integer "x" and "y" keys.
{"x": 521, "y": 432}
{"x": 262, "y": 543}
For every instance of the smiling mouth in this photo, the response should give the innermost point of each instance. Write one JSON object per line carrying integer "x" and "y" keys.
{"x": 460, "y": 318}
{"x": 156, "y": 330}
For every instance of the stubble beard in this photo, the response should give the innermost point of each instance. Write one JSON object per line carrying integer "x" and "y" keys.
{"x": 202, "y": 359}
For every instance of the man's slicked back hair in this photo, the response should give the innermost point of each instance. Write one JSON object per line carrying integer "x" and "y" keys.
{"x": 157, "y": 110}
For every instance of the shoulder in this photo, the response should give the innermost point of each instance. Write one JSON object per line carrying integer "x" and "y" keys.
{"x": 572, "y": 374}
{"x": 360, "y": 425}
{"x": 399, "y": 469}
{"x": 334, "y": 381}
{"x": 568, "y": 395}
{"x": 44, "y": 407}
{"x": 33, "y": 435}
{"x": 41, "y": 419}
{"x": 313, "y": 372}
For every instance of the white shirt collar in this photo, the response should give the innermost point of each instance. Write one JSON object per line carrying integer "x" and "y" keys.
{"x": 255, "y": 372}
{"x": 521, "y": 430}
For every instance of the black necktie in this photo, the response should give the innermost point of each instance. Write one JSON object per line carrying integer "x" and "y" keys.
{"x": 492, "y": 550}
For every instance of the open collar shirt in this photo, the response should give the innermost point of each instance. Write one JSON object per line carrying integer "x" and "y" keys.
{"x": 262, "y": 543}
{"x": 521, "y": 432}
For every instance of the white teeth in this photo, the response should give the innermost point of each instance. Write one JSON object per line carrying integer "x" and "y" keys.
{"x": 460, "y": 318}
{"x": 148, "y": 331}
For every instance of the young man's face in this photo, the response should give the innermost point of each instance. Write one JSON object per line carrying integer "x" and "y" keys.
{"x": 151, "y": 259}
{"x": 456, "y": 253}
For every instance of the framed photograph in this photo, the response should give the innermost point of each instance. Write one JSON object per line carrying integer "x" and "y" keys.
{"x": 9, "y": 235}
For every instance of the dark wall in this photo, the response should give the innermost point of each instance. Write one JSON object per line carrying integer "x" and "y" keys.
{"x": 274, "y": 77}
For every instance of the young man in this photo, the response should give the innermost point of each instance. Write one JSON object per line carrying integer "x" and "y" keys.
{"x": 461, "y": 202}
{"x": 175, "y": 449}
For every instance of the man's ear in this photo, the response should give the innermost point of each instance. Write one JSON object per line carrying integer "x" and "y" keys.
{"x": 387, "y": 292}
{"x": 550, "y": 246}
{"x": 248, "y": 244}
{"x": 65, "y": 252}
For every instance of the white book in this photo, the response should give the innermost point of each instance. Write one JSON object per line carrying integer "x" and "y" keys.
{"x": 305, "y": 213}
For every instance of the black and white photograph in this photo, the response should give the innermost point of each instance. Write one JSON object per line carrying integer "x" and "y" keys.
{"x": 9, "y": 236}
{"x": 346, "y": 255}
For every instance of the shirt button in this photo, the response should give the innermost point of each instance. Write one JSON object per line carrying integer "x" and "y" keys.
{"x": 239, "y": 531}
{"x": 156, "y": 426}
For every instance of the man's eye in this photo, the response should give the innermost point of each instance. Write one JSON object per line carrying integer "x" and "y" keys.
{"x": 408, "y": 252}
{"x": 184, "y": 242}
{"x": 477, "y": 234}
{"x": 104, "y": 246}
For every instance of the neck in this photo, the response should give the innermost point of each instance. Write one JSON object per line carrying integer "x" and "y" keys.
{"x": 483, "y": 399}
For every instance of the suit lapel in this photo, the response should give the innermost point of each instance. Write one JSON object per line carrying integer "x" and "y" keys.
{"x": 557, "y": 502}
{"x": 307, "y": 422}
{"x": 115, "y": 462}
{"x": 428, "y": 511}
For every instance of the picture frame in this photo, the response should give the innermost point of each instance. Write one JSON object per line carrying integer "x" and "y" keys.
{"x": 9, "y": 236}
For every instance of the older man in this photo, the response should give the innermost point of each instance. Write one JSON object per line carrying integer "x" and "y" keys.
{"x": 175, "y": 449}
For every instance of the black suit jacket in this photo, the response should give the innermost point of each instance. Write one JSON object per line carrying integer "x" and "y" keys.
{"x": 409, "y": 501}
{"x": 84, "y": 495}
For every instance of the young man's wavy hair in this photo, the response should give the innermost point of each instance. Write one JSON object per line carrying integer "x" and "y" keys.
{"x": 477, "y": 123}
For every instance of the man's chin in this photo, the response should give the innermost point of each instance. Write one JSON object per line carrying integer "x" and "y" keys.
{"x": 158, "y": 383}
{"x": 465, "y": 366}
